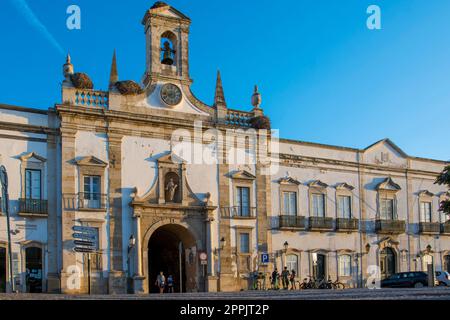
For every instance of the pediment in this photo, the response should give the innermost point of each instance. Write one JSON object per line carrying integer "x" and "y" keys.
{"x": 163, "y": 9}
{"x": 388, "y": 185}
{"x": 242, "y": 175}
{"x": 385, "y": 153}
{"x": 289, "y": 180}
{"x": 91, "y": 161}
{"x": 317, "y": 184}
{"x": 171, "y": 158}
{"x": 344, "y": 186}
{"x": 32, "y": 157}
{"x": 425, "y": 193}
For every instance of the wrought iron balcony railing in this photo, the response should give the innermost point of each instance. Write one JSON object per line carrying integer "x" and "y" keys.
{"x": 33, "y": 207}
{"x": 344, "y": 224}
{"x": 238, "y": 212}
{"x": 390, "y": 226}
{"x": 85, "y": 201}
{"x": 321, "y": 224}
{"x": 292, "y": 222}
{"x": 429, "y": 227}
{"x": 445, "y": 228}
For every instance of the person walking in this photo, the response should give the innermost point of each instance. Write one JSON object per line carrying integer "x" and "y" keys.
{"x": 161, "y": 282}
{"x": 292, "y": 280}
{"x": 275, "y": 276}
{"x": 170, "y": 284}
{"x": 285, "y": 278}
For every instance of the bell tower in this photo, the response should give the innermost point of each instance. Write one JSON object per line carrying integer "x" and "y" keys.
{"x": 167, "y": 41}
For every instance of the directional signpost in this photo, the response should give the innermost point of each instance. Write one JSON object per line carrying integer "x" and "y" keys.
{"x": 86, "y": 242}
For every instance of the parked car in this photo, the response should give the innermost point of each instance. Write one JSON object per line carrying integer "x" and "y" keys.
{"x": 442, "y": 278}
{"x": 406, "y": 280}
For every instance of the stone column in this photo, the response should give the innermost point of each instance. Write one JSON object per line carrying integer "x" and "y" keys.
{"x": 52, "y": 221}
{"x": 68, "y": 190}
{"x": 117, "y": 277}
{"x": 211, "y": 279}
{"x": 138, "y": 278}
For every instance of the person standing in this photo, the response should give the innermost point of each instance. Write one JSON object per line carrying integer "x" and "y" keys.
{"x": 275, "y": 276}
{"x": 292, "y": 280}
{"x": 161, "y": 282}
{"x": 170, "y": 284}
{"x": 285, "y": 278}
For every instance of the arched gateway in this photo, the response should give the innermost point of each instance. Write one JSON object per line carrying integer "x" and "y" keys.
{"x": 172, "y": 226}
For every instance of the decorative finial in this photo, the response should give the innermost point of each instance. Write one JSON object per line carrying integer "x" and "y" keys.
{"x": 114, "y": 75}
{"x": 219, "y": 97}
{"x": 256, "y": 98}
{"x": 68, "y": 67}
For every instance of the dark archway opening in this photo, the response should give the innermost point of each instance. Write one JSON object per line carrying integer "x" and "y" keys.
{"x": 164, "y": 255}
{"x": 447, "y": 263}
{"x": 387, "y": 263}
{"x": 33, "y": 264}
{"x": 320, "y": 267}
{"x": 2, "y": 270}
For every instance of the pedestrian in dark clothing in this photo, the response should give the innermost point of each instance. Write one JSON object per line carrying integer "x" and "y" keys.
{"x": 285, "y": 278}
{"x": 292, "y": 280}
{"x": 170, "y": 284}
{"x": 275, "y": 276}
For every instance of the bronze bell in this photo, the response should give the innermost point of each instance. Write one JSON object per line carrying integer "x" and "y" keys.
{"x": 167, "y": 54}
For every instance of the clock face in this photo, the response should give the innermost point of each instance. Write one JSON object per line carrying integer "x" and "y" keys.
{"x": 171, "y": 94}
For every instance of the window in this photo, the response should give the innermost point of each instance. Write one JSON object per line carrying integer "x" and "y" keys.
{"x": 426, "y": 261}
{"x": 425, "y": 211}
{"x": 244, "y": 243}
{"x": 345, "y": 207}
{"x": 243, "y": 201}
{"x": 33, "y": 184}
{"x": 387, "y": 209}
{"x": 318, "y": 201}
{"x": 345, "y": 265}
{"x": 292, "y": 263}
{"x": 91, "y": 194}
{"x": 290, "y": 203}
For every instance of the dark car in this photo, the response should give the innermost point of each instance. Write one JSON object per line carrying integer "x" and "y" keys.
{"x": 406, "y": 280}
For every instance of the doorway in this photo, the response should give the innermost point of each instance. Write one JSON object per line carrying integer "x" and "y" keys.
{"x": 387, "y": 263}
{"x": 33, "y": 265}
{"x": 2, "y": 270}
{"x": 447, "y": 263}
{"x": 320, "y": 267}
{"x": 170, "y": 250}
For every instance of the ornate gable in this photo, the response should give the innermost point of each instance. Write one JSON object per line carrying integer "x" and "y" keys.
{"x": 388, "y": 185}
{"x": 91, "y": 161}
{"x": 344, "y": 186}
{"x": 289, "y": 180}
{"x": 318, "y": 184}
{"x": 242, "y": 175}
{"x": 425, "y": 193}
{"x": 32, "y": 157}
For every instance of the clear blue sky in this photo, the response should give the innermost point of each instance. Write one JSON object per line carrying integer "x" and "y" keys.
{"x": 323, "y": 75}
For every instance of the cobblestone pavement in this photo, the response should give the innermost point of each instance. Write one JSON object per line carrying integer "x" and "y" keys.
{"x": 353, "y": 294}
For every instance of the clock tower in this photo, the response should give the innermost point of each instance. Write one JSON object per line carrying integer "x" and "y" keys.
{"x": 167, "y": 41}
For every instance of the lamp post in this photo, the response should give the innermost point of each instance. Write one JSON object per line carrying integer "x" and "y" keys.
{"x": 5, "y": 206}
{"x": 131, "y": 245}
{"x": 285, "y": 249}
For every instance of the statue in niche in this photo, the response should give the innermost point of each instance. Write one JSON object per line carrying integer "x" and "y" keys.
{"x": 171, "y": 189}
{"x": 168, "y": 54}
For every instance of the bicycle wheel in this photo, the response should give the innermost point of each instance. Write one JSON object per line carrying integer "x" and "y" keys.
{"x": 339, "y": 286}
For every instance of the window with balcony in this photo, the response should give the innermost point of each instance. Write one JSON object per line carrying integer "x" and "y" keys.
{"x": 33, "y": 184}
{"x": 387, "y": 209}
{"x": 425, "y": 212}
{"x": 91, "y": 193}
{"x": 244, "y": 243}
{"x": 318, "y": 205}
{"x": 290, "y": 203}
{"x": 243, "y": 201}
{"x": 345, "y": 207}
{"x": 292, "y": 263}
{"x": 345, "y": 265}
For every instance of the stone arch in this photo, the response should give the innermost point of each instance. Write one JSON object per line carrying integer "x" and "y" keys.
{"x": 25, "y": 246}
{"x": 188, "y": 235}
{"x": 169, "y": 37}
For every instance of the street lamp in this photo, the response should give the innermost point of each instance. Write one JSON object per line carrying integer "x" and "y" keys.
{"x": 5, "y": 206}
{"x": 286, "y": 246}
{"x": 131, "y": 245}
{"x": 223, "y": 243}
